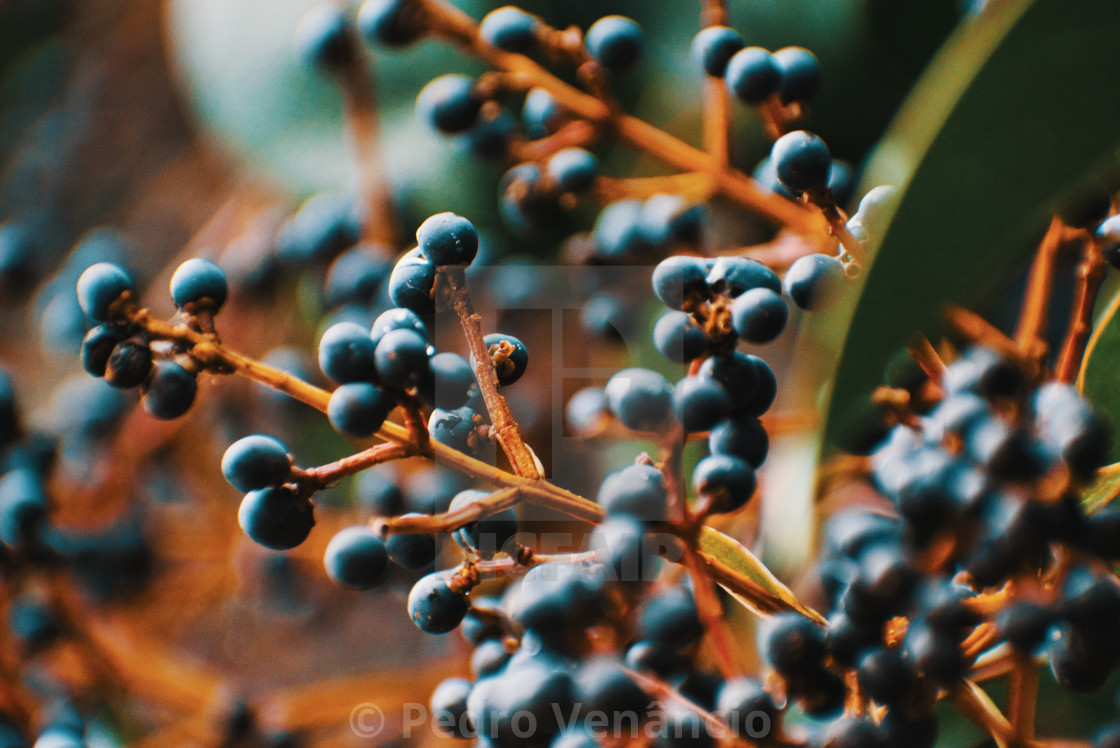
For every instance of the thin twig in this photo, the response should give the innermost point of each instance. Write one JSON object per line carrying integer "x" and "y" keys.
{"x": 1090, "y": 275}
{"x": 976, "y": 329}
{"x": 1022, "y": 698}
{"x": 1030, "y": 333}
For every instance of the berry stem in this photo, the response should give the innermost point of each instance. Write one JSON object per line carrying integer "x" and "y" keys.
{"x": 976, "y": 329}
{"x": 577, "y": 133}
{"x": 451, "y": 23}
{"x": 711, "y": 614}
{"x": 661, "y": 691}
{"x": 971, "y": 701}
{"x": 363, "y": 127}
{"x": 505, "y": 427}
{"x": 1022, "y": 698}
{"x": 923, "y": 353}
{"x": 452, "y": 520}
{"x": 1090, "y": 275}
{"x": 332, "y": 472}
{"x": 838, "y": 226}
{"x": 717, "y": 101}
{"x": 696, "y": 185}
{"x": 1030, "y": 333}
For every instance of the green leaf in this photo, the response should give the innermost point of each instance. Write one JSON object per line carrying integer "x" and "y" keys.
{"x": 1097, "y": 378}
{"x": 746, "y": 578}
{"x": 1010, "y": 120}
{"x": 1104, "y": 489}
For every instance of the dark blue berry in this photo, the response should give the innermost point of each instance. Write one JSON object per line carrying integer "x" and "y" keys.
{"x": 555, "y": 600}
{"x": 700, "y": 402}
{"x": 453, "y": 428}
{"x": 488, "y": 535}
{"x": 636, "y": 490}
{"x": 23, "y": 507}
{"x": 275, "y": 518}
{"x": 169, "y": 391}
{"x": 668, "y": 219}
{"x": 759, "y": 315}
{"x": 356, "y": 275}
{"x": 447, "y": 239}
{"x": 346, "y": 353}
{"x": 97, "y": 346}
{"x": 586, "y": 410}
{"x": 324, "y": 38}
{"x": 129, "y": 364}
{"x": 412, "y": 550}
{"x": 99, "y": 287}
{"x": 621, "y": 545}
{"x": 795, "y": 646}
{"x": 402, "y": 359}
{"x": 509, "y": 28}
{"x": 540, "y": 113}
{"x": 740, "y": 436}
{"x": 411, "y": 283}
{"x": 670, "y": 619}
{"x": 325, "y": 225}
{"x": 752, "y": 75}
{"x": 802, "y": 161}
{"x": 801, "y": 73}
{"x": 449, "y": 708}
{"x": 450, "y": 383}
{"x": 256, "y": 461}
{"x": 813, "y": 282}
{"x": 397, "y": 319}
{"x": 677, "y": 337}
{"x": 734, "y": 276}
{"x": 200, "y": 283}
{"x": 603, "y": 686}
{"x": 747, "y": 379}
{"x": 725, "y": 481}
{"x": 641, "y": 399}
{"x": 356, "y": 558}
{"x": 1108, "y": 236}
{"x": 449, "y": 104}
{"x": 615, "y": 42}
{"x": 573, "y": 169}
{"x": 765, "y": 174}
{"x": 434, "y": 607}
{"x": 391, "y": 22}
{"x": 510, "y": 357}
{"x": 618, "y": 231}
{"x": 358, "y": 409}
{"x": 713, "y": 47}
{"x": 681, "y": 280}
{"x": 746, "y": 707}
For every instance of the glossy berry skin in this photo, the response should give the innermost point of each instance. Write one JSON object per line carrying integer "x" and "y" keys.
{"x": 434, "y": 607}
{"x": 615, "y": 42}
{"x": 447, "y": 239}
{"x": 741, "y": 701}
{"x": 759, "y": 315}
{"x": 170, "y": 391}
{"x": 488, "y": 535}
{"x": 795, "y": 646}
{"x": 200, "y": 283}
{"x": 747, "y": 379}
{"x": 1108, "y": 235}
{"x": 700, "y": 402}
{"x": 813, "y": 282}
{"x": 620, "y": 541}
{"x": 256, "y": 461}
{"x": 411, "y": 282}
{"x": 275, "y": 519}
{"x": 324, "y": 39}
{"x": 99, "y": 286}
{"x": 603, "y": 686}
{"x": 727, "y": 482}
{"x": 734, "y": 276}
{"x": 713, "y": 47}
{"x": 573, "y": 169}
{"x": 670, "y": 619}
{"x": 801, "y": 73}
{"x": 448, "y": 104}
{"x": 641, "y": 399}
{"x": 752, "y": 75}
{"x": 401, "y": 358}
{"x": 356, "y": 558}
{"x": 355, "y": 276}
{"x": 510, "y": 355}
{"x": 397, "y": 319}
{"x": 452, "y": 427}
{"x": 23, "y": 507}
{"x": 677, "y": 338}
{"x": 346, "y": 353}
{"x": 358, "y": 409}
{"x": 325, "y": 225}
{"x": 740, "y": 436}
{"x": 412, "y": 550}
{"x": 129, "y": 364}
{"x": 801, "y": 161}
{"x": 450, "y": 383}
{"x": 680, "y": 280}
{"x": 509, "y": 28}
{"x": 97, "y": 346}
{"x": 392, "y": 23}
{"x": 540, "y": 113}
{"x": 637, "y": 491}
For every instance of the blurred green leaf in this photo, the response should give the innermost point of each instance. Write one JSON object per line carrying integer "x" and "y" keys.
{"x": 1097, "y": 378}
{"x": 760, "y": 591}
{"x": 1009, "y": 120}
